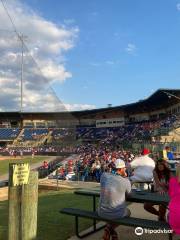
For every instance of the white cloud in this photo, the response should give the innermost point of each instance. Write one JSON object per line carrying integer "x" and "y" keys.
{"x": 47, "y": 44}
{"x": 54, "y": 72}
{"x": 178, "y": 6}
{"x": 46, "y": 102}
{"x": 76, "y": 107}
{"x": 131, "y": 48}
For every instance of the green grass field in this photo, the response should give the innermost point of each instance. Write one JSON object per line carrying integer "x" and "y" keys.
{"x": 52, "y": 224}
{"x": 4, "y": 164}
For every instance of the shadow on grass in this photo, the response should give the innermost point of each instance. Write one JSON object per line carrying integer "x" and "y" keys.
{"x": 52, "y": 224}
{"x": 3, "y": 220}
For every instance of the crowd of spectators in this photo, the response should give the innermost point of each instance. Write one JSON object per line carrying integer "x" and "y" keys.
{"x": 93, "y": 161}
{"x": 43, "y": 150}
{"x": 62, "y": 133}
{"x": 135, "y": 132}
{"x": 130, "y": 132}
{"x": 48, "y": 167}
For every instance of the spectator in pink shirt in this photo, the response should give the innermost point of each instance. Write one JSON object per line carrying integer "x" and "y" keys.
{"x": 174, "y": 204}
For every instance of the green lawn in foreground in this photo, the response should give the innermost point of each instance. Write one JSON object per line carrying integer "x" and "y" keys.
{"x": 4, "y": 165}
{"x": 51, "y": 224}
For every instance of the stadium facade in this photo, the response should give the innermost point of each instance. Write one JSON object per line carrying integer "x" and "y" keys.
{"x": 159, "y": 105}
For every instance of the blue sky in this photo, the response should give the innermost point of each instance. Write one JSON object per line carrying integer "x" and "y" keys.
{"x": 125, "y": 49}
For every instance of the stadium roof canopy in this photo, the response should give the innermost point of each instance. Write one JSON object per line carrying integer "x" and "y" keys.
{"x": 162, "y": 98}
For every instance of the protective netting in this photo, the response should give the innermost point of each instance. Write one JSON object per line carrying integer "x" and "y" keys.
{"x": 37, "y": 92}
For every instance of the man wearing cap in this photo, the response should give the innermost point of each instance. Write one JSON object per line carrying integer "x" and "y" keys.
{"x": 112, "y": 205}
{"x": 143, "y": 167}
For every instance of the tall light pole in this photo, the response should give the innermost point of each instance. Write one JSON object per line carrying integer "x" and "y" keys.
{"x": 22, "y": 38}
{"x": 22, "y": 69}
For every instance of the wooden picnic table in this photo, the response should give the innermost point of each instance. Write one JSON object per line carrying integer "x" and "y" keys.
{"x": 135, "y": 196}
{"x": 139, "y": 197}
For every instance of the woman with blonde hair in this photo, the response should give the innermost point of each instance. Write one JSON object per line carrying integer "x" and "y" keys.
{"x": 174, "y": 204}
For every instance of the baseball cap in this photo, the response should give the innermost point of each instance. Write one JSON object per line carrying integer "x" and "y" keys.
{"x": 145, "y": 151}
{"x": 119, "y": 163}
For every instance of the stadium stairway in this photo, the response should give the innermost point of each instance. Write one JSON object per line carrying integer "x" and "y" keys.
{"x": 176, "y": 134}
{"x": 44, "y": 139}
{"x": 172, "y": 136}
{"x": 19, "y": 137}
{"x": 49, "y": 137}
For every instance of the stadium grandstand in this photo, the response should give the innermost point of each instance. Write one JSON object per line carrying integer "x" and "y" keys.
{"x": 152, "y": 120}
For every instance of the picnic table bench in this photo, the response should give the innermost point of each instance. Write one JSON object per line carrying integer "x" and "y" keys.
{"x": 127, "y": 221}
{"x": 139, "y": 197}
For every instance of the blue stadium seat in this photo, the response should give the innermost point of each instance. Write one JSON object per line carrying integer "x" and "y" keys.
{"x": 31, "y": 134}
{"x": 9, "y": 133}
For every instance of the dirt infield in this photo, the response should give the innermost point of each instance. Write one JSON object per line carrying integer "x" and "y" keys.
{"x": 3, "y": 193}
{"x": 3, "y": 158}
